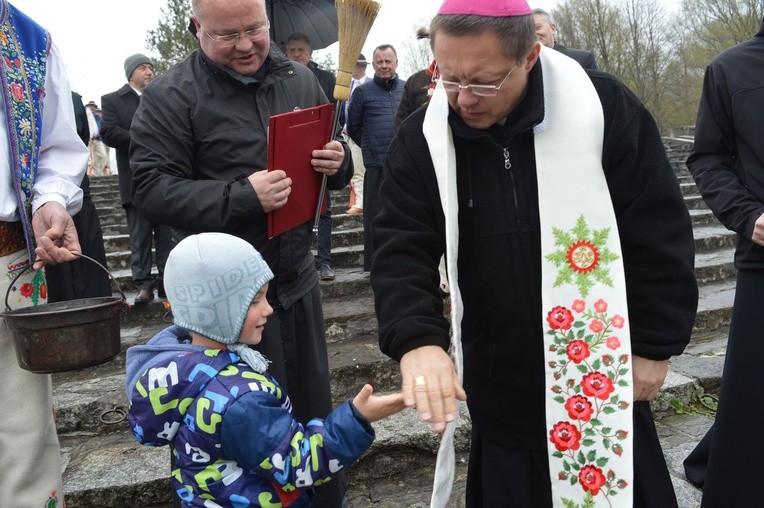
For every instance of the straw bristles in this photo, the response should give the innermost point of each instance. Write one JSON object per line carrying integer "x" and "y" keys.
{"x": 354, "y": 20}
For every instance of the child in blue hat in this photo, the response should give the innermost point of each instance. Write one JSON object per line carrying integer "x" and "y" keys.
{"x": 198, "y": 387}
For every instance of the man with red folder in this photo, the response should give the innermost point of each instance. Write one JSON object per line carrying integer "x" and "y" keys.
{"x": 199, "y": 153}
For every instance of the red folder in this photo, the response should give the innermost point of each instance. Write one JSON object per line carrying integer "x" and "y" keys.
{"x": 292, "y": 137}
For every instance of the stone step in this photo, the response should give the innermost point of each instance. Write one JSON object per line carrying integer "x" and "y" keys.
{"x": 689, "y": 188}
{"x": 685, "y": 178}
{"x": 703, "y": 217}
{"x": 105, "y": 194}
{"x": 712, "y": 237}
{"x": 345, "y": 233}
{"x": 695, "y": 203}
{"x": 715, "y": 266}
{"x": 714, "y": 306}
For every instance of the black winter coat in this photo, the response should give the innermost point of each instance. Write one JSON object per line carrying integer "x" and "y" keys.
{"x": 583, "y": 57}
{"x": 727, "y": 160}
{"x": 500, "y": 248}
{"x": 197, "y": 135}
{"x": 118, "y": 110}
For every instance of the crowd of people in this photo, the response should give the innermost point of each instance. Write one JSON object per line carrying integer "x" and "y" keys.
{"x": 510, "y": 175}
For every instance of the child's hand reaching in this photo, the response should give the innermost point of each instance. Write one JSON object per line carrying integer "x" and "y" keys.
{"x": 374, "y": 407}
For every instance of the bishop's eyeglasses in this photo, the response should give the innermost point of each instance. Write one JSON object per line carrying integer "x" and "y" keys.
{"x": 479, "y": 90}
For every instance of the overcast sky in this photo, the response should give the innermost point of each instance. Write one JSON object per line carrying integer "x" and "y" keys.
{"x": 95, "y": 36}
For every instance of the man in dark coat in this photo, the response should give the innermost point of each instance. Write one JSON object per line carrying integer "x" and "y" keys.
{"x": 727, "y": 163}
{"x": 371, "y": 125}
{"x": 118, "y": 110}
{"x": 199, "y": 152}
{"x": 473, "y": 175}
{"x": 546, "y": 30}
{"x": 298, "y": 50}
{"x": 81, "y": 278}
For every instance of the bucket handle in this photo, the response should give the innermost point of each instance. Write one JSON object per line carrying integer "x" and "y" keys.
{"x": 16, "y": 277}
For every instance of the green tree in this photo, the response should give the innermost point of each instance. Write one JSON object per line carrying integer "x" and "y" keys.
{"x": 594, "y": 25}
{"x": 715, "y": 25}
{"x": 661, "y": 57}
{"x": 172, "y": 39}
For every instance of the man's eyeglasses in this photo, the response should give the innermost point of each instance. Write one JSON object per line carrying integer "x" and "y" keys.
{"x": 229, "y": 40}
{"x": 479, "y": 90}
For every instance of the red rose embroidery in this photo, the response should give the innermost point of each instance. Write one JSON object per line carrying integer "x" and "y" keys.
{"x": 579, "y": 306}
{"x": 607, "y": 360}
{"x": 591, "y": 479}
{"x": 560, "y": 318}
{"x": 26, "y": 290}
{"x": 613, "y": 342}
{"x": 621, "y": 434}
{"x": 565, "y": 436}
{"x": 617, "y": 321}
{"x": 600, "y": 306}
{"x": 578, "y": 351}
{"x": 579, "y": 408}
{"x": 597, "y": 384}
{"x": 618, "y": 449}
{"x": 596, "y": 326}
{"x": 17, "y": 91}
{"x": 43, "y": 291}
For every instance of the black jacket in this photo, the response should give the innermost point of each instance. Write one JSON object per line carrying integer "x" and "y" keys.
{"x": 583, "y": 57}
{"x": 500, "y": 248}
{"x": 325, "y": 78}
{"x": 198, "y": 133}
{"x": 118, "y": 110}
{"x": 727, "y": 160}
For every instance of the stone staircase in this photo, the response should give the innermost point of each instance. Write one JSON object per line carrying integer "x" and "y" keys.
{"x": 105, "y": 467}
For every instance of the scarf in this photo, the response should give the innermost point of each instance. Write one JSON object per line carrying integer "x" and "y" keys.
{"x": 585, "y": 321}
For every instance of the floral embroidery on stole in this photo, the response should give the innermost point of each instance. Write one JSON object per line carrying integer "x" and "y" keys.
{"x": 587, "y": 340}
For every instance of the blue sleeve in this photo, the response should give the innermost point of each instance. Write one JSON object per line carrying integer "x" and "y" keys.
{"x": 264, "y": 438}
{"x": 355, "y": 116}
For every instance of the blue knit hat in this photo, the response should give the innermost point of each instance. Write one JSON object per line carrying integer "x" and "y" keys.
{"x": 211, "y": 280}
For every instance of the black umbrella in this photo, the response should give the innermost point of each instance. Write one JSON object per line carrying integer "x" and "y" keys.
{"x": 315, "y": 18}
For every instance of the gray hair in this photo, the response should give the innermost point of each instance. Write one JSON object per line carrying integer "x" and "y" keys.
{"x": 517, "y": 33}
{"x": 547, "y": 17}
{"x": 383, "y": 47}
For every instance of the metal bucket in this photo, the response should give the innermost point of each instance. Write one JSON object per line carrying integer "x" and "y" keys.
{"x": 66, "y": 336}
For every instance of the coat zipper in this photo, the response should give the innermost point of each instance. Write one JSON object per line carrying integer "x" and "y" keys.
{"x": 508, "y": 167}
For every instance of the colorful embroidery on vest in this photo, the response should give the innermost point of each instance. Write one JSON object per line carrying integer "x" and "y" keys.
{"x": 24, "y": 47}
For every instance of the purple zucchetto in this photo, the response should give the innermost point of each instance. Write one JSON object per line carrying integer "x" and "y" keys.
{"x": 491, "y": 8}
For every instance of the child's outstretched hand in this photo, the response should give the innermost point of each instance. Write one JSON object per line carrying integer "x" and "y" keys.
{"x": 374, "y": 407}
